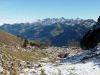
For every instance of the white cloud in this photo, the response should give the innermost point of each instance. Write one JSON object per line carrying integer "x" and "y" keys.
{"x": 11, "y": 20}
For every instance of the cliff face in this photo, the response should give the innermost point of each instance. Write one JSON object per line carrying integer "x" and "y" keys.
{"x": 92, "y": 37}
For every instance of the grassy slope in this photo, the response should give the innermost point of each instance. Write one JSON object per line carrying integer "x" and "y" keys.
{"x": 11, "y": 40}
{"x": 22, "y": 55}
{"x": 8, "y": 39}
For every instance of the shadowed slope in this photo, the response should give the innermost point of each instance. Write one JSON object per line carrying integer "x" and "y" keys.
{"x": 92, "y": 37}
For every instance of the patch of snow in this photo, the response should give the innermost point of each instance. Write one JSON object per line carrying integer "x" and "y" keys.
{"x": 73, "y": 69}
{"x": 28, "y": 71}
{"x": 72, "y": 65}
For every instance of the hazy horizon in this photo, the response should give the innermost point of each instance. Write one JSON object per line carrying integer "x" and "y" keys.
{"x": 17, "y": 11}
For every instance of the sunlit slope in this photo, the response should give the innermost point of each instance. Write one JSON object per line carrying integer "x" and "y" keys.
{"x": 9, "y": 39}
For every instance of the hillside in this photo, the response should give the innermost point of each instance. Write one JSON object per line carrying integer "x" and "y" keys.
{"x": 13, "y": 57}
{"x": 9, "y": 39}
{"x": 53, "y": 31}
{"x": 25, "y": 62}
{"x": 92, "y": 37}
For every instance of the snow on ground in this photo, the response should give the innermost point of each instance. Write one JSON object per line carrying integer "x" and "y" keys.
{"x": 73, "y": 69}
{"x": 84, "y": 63}
{"x": 66, "y": 69}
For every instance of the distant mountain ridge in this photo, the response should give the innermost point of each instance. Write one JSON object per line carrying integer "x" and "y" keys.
{"x": 55, "y": 31}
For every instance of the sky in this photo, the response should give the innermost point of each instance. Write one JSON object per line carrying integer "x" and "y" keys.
{"x": 17, "y": 11}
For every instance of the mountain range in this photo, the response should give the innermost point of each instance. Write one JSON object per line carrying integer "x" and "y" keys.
{"x": 52, "y": 31}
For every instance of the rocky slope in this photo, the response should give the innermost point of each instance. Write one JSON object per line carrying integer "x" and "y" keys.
{"x": 85, "y": 62}
{"x": 49, "y": 61}
{"x": 92, "y": 37}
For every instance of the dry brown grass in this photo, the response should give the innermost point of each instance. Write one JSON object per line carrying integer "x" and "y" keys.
{"x": 9, "y": 39}
{"x": 23, "y": 55}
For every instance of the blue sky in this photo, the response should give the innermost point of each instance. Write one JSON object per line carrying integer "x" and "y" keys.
{"x": 12, "y": 11}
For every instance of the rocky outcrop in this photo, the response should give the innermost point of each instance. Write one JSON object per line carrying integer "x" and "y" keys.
{"x": 92, "y": 37}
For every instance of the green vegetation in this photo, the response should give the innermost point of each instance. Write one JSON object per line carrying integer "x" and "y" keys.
{"x": 38, "y": 44}
{"x": 56, "y": 32}
{"x": 25, "y": 43}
